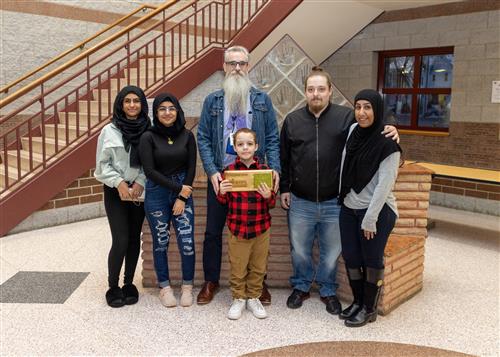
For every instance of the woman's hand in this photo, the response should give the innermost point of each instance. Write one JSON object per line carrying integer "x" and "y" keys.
{"x": 264, "y": 190}
{"x": 186, "y": 191}
{"x": 178, "y": 207}
{"x": 123, "y": 191}
{"x": 136, "y": 191}
{"x": 225, "y": 187}
{"x": 368, "y": 234}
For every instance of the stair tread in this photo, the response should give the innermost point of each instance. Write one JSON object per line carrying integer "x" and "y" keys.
{"x": 26, "y": 154}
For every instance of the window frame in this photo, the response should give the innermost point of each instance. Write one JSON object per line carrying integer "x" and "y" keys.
{"x": 415, "y": 91}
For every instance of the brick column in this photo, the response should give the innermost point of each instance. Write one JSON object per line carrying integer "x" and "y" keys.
{"x": 403, "y": 256}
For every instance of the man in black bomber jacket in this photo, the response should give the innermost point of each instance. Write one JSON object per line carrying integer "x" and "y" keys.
{"x": 311, "y": 145}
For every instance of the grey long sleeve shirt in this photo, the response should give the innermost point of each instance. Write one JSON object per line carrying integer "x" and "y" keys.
{"x": 377, "y": 192}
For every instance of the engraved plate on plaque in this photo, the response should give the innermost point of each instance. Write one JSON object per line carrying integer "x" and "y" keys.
{"x": 249, "y": 180}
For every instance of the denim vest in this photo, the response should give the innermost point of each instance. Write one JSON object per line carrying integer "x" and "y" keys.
{"x": 210, "y": 133}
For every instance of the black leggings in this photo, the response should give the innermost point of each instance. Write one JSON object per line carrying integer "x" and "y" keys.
{"x": 125, "y": 220}
{"x": 358, "y": 251}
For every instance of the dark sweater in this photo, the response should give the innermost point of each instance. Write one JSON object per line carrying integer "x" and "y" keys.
{"x": 311, "y": 151}
{"x": 161, "y": 159}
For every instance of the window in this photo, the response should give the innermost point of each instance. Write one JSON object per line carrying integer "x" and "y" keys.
{"x": 416, "y": 85}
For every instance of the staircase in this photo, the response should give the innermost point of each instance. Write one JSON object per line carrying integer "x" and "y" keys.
{"x": 65, "y": 109}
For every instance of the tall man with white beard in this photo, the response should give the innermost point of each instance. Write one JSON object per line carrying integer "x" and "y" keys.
{"x": 238, "y": 105}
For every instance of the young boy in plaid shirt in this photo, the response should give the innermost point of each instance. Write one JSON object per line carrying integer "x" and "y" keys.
{"x": 249, "y": 221}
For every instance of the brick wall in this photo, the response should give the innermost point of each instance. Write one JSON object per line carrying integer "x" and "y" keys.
{"x": 469, "y": 144}
{"x": 85, "y": 189}
{"x": 468, "y": 188}
{"x": 474, "y": 121}
{"x": 404, "y": 253}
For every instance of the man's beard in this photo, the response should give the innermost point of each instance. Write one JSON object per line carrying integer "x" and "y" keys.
{"x": 236, "y": 89}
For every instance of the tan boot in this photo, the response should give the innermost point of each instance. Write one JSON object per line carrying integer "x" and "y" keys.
{"x": 187, "y": 295}
{"x": 167, "y": 297}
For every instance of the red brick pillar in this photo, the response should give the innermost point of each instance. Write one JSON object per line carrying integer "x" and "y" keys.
{"x": 403, "y": 256}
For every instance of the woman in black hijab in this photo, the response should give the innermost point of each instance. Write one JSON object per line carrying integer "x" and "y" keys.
{"x": 168, "y": 154}
{"x": 118, "y": 167}
{"x": 369, "y": 169}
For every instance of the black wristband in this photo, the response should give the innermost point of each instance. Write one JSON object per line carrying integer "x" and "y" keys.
{"x": 182, "y": 198}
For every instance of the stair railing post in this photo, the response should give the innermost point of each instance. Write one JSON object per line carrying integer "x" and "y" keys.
{"x": 42, "y": 112}
{"x": 195, "y": 6}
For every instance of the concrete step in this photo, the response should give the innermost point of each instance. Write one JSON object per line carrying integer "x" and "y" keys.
{"x": 12, "y": 174}
{"x": 37, "y": 145}
{"x": 94, "y": 118}
{"x": 104, "y": 95}
{"x": 151, "y": 72}
{"x": 84, "y": 106}
{"x": 50, "y": 130}
{"x": 24, "y": 158}
{"x": 122, "y": 82}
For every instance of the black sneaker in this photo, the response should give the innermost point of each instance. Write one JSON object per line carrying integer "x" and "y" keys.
{"x": 332, "y": 304}
{"x": 295, "y": 300}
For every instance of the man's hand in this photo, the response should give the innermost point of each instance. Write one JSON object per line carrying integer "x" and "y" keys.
{"x": 225, "y": 187}
{"x": 286, "y": 199}
{"x": 390, "y": 131}
{"x": 215, "y": 179}
{"x": 276, "y": 180}
{"x": 264, "y": 190}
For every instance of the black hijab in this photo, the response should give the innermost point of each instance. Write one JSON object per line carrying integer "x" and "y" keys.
{"x": 366, "y": 148}
{"x": 131, "y": 129}
{"x": 180, "y": 122}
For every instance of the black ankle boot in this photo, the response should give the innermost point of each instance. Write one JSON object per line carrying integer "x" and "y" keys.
{"x": 356, "y": 282}
{"x": 371, "y": 293}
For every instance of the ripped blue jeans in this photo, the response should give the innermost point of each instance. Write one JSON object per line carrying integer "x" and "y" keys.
{"x": 158, "y": 204}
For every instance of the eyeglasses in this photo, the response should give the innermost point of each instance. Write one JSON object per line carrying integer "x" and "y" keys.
{"x": 237, "y": 63}
{"x": 167, "y": 109}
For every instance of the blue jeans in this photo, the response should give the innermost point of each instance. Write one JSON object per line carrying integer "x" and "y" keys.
{"x": 308, "y": 220}
{"x": 158, "y": 203}
{"x": 212, "y": 244}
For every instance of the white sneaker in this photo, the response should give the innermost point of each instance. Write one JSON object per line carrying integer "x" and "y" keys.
{"x": 257, "y": 309}
{"x": 236, "y": 309}
{"x": 167, "y": 297}
{"x": 187, "y": 295}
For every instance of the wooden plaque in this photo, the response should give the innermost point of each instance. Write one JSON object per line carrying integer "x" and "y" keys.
{"x": 249, "y": 180}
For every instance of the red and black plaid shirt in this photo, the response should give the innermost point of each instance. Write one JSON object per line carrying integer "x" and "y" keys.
{"x": 248, "y": 212}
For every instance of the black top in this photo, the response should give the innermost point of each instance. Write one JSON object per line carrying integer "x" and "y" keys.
{"x": 311, "y": 151}
{"x": 161, "y": 159}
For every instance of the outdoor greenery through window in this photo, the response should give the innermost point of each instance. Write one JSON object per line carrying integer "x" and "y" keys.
{"x": 416, "y": 85}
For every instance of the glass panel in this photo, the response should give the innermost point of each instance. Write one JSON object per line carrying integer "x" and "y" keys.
{"x": 434, "y": 110}
{"x": 437, "y": 71}
{"x": 399, "y": 72}
{"x": 398, "y": 107}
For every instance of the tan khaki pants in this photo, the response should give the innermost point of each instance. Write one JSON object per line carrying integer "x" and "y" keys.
{"x": 248, "y": 259}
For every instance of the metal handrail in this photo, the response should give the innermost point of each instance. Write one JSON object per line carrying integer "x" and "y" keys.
{"x": 82, "y": 55}
{"x": 163, "y": 55}
{"x": 81, "y": 45}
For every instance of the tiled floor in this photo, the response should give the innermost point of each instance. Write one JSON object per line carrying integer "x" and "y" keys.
{"x": 458, "y": 309}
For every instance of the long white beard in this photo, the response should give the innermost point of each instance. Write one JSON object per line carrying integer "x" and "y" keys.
{"x": 236, "y": 90}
